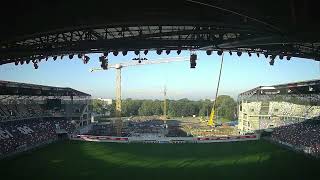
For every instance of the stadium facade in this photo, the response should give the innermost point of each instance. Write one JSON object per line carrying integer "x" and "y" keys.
{"x": 268, "y": 107}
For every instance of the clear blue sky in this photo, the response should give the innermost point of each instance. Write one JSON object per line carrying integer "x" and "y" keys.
{"x": 146, "y": 82}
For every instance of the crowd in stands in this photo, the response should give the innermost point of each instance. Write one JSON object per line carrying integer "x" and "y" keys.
{"x": 20, "y": 134}
{"x": 302, "y": 135}
{"x": 28, "y": 123}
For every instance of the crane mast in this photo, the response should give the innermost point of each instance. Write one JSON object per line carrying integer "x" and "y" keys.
{"x": 213, "y": 115}
{"x": 165, "y": 103}
{"x": 118, "y": 102}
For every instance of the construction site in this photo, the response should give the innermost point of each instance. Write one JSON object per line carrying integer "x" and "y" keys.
{"x": 159, "y": 125}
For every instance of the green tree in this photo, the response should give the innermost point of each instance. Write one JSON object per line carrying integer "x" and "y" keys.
{"x": 146, "y": 108}
{"x": 176, "y": 108}
{"x": 130, "y": 107}
{"x": 205, "y": 107}
{"x": 97, "y": 106}
{"x": 226, "y": 107}
{"x": 101, "y": 107}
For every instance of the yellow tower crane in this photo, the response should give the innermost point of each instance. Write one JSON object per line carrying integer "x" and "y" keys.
{"x": 118, "y": 68}
{"x": 213, "y": 115}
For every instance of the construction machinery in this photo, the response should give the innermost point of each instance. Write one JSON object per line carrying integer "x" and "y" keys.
{"x": 118, "y": 68}
{"x": 213, "y": 114}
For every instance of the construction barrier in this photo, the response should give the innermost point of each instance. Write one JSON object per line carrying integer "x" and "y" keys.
{"x": 227, "y": 138}
{"x": 100, "y": 138}
{"x": 164, "y": 140}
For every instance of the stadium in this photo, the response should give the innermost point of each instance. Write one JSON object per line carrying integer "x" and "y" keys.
{"x": 53, "y": 132}
{"x": 58, "y": 123}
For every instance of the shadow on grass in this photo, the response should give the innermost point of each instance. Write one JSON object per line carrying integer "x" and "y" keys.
{"x": 87, "y": 160}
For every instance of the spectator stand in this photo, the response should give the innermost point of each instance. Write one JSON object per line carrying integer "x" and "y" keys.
{"x": 33, "y": 115}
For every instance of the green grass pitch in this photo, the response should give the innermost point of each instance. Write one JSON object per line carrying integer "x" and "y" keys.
{"x": 90, "y": 160}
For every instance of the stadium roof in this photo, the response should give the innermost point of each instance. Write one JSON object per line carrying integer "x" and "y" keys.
{"x": 24, "y": 89}
{"x": 35, "y": 30}
{"x": 301, "y": 87}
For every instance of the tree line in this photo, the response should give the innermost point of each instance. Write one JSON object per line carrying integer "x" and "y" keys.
{"x": 225, "y": 105}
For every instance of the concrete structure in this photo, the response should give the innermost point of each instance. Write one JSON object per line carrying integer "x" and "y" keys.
{"x": 279, "y": 105}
